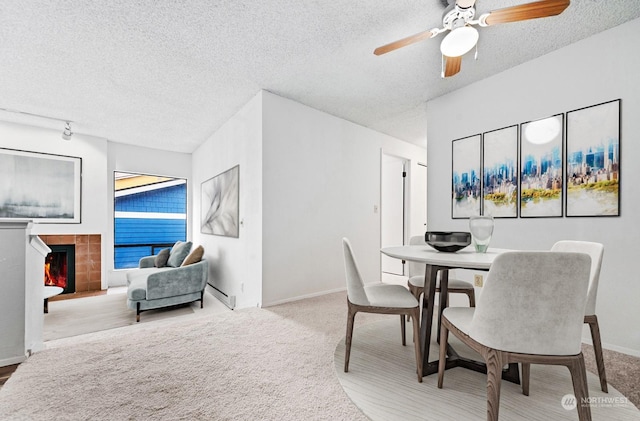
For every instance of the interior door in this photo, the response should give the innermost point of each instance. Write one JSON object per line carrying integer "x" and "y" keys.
{"x": 392, "y": 209}
{"x": 419, "y": 200}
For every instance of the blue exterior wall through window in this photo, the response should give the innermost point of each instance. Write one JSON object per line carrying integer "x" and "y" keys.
{"x": 147, "y": 221}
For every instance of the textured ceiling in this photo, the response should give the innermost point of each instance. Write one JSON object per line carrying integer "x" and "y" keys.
{"x": 168, "y": 74}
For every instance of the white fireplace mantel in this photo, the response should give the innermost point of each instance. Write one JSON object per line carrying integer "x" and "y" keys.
{"x": 21, "y": 301}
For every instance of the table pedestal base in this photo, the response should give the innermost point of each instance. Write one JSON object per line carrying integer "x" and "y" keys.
{"x": 510, "y": 374}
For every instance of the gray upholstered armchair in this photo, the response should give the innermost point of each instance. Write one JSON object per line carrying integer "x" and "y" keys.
{"x": 150, "y": 287}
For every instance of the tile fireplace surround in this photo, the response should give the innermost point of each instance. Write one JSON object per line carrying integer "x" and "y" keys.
{"x": 88, "y": 252}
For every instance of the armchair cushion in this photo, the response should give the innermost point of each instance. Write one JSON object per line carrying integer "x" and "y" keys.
{"x": 194, "y": 257}
{"x": 178, "y": 253}
{"x": 162, "y": 258}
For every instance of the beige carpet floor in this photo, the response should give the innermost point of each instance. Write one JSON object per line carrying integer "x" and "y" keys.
{"x": 79, "y": 316}
{"x": 251, "y": 364}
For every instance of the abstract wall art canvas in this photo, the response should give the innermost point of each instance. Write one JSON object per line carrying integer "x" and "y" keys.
{"x": 465, "y": 200}
{"x": 500, "y": 173}
{"x": 593, "y": 160}
{"x": 220, "y": 204}
{"x": 541, "y": 173}
{"x": 42, "y": 187}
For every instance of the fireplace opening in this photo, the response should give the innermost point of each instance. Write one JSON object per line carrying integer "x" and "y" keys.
{"x": 60, "y": 268}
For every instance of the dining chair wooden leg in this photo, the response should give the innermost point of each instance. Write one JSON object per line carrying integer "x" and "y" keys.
{"x": 415, "y": 291}
{"x": 347, "y": 342}
{"x": 495, "y": 362}
{"x": 597, "y": 348}
{"x": 472, "y": 298}
{"x": 403, "y": 330}
{"x": 580, "y": 391}
{"x": 415, "y": 316}
{"x": 526, "y": 374}
{"x": 442, "y": 359}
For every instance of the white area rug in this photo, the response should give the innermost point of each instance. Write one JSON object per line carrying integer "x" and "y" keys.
{"x": 381, "y": 382}
{"x": 253, "y": 364}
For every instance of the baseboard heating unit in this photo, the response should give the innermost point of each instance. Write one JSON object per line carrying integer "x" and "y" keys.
{"x": 228, "y": 300}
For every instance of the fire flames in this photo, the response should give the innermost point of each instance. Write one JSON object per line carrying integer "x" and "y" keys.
{"x": 55, "y": 271}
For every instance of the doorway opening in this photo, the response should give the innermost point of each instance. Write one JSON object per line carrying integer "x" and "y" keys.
{"x": 393, "y": 209}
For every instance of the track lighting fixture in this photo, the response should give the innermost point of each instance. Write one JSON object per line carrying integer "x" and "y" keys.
{"x": 66, "y": 134}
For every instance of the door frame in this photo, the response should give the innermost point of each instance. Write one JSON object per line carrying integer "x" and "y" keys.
{"x": 405, "y": 202}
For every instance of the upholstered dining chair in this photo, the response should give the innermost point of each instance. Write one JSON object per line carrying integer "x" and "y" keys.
{"x": 531, "y": 311}
{"x": 416, "y": 278}
{"x": 596, "y": 251}
{"x": 378, "y": 298}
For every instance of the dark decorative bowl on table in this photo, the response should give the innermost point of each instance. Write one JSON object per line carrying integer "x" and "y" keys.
{"x": 447, "y": 241}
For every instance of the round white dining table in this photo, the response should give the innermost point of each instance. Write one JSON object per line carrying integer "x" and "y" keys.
{"x": 50, "y": 291}
{"x": 436, "y": 261}
{"x": 467, "y": 258}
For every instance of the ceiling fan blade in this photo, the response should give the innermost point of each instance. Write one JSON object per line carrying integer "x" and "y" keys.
{"x": 538, "y": 9}
{"x": 403, "y": 42}
{"x": 452, "y": 65}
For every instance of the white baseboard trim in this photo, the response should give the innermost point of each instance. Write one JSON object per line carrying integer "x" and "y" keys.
{"x": 622, "y": 350}
{"x": 302, "y": 297}
{"x": 586, "y": 339}
{"x": 11, "y": 361}
{"x": 633, "y": 352}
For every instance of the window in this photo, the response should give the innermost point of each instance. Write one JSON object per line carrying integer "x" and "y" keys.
{"x": 150, "y": 214}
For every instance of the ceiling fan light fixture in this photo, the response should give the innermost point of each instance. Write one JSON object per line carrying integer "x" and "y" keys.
{"x": 459, "y": 41}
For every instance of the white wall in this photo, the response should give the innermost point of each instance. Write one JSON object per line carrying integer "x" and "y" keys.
{"x": 320, "y": 176}
{"x": 321, "y": 181}
{"x": 306, "y": 180}
{"x": 135, "y": 159}
{"x": 235, "y": 263}
{"x": 93, "y": 151}
{"x": 100, "y": 159}
{"x": 592, "y": 71}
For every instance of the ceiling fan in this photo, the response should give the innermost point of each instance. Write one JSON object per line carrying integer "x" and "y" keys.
{"x": 458, "y": 18}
